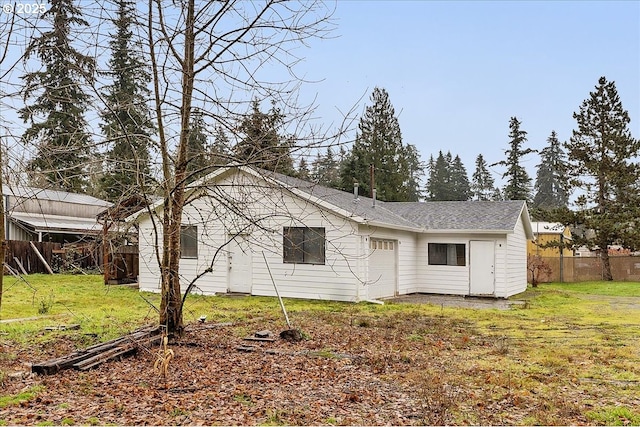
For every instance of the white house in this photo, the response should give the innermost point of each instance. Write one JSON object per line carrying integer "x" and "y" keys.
{"x": 254, "y": 227}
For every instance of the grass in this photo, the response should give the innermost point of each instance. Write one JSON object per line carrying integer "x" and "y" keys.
{"x": 618, "y": 289}
{"x": 566, "y": 337}
{"x": 16, "y": 399}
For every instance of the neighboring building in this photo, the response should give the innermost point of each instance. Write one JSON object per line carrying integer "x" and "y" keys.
{"x": 50, "y": 216}
{"x": 252, "y": 226}
{"x": 546, "y": 233}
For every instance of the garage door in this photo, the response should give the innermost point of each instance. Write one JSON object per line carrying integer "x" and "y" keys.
{"x": 382, "y": 268}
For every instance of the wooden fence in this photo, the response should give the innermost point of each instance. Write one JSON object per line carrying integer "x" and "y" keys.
{"x": 582, "y": 269}
{"x": 73, "y": 258}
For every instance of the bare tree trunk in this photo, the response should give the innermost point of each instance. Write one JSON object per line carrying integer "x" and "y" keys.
{"x": 171, "y": 306}
{"x": 3, "y": 243}
{"x": 606, "y": 263}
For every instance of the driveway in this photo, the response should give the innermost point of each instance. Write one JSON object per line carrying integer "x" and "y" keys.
{"x": 457, "y": 301}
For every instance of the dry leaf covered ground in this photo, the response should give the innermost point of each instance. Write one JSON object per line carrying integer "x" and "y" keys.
{"x": 358, "y": 365}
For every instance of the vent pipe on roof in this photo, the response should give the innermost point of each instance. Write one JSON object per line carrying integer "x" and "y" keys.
{"x": 355, "y": 191}
{"x": 375, "y": 192}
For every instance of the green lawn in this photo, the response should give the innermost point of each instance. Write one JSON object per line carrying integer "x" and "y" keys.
{"x": 568, "y": 355}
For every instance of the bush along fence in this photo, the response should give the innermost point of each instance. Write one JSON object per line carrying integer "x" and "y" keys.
{"x": 582, "y": 269}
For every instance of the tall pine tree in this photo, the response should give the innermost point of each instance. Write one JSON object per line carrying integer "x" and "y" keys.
{"x": 482, "y": 183}
{"x": 56, "y": 117}
{"x": 603, "y": 157}
{"x": 438, "y": 183}
{"x": 326, "y": 169}
{"x": 448, "y": 179}
{"x": 552, "y": 185}
{"x": 459, "y": 180}
{"x": 379, "y": 146}
{"x": 518, "y": 181}
{"x": 198, "y": 150}
{"x": 261, "y": 143}
{"x": 127, "y": 123}
{"x": 221, "y": 149}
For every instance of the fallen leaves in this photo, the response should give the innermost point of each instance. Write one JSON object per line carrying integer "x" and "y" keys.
{"x": 399, "y": 370}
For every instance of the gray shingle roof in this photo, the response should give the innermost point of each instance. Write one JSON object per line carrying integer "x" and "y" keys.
{"x": 469, "y": 215}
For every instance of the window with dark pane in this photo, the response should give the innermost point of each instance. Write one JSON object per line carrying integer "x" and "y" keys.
{"x": 303, "y": 245}
{"x": 189, "y": 241}
{"x": 447, "y": 254}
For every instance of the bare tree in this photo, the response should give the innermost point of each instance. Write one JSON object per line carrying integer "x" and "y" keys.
{"x": 212, "y": 55}
{"x": 218, "y": 58}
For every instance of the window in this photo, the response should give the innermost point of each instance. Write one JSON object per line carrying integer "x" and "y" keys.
{"x": 303, "y": 245}
{"x": 189, "y": 241}
{"x": 447, "y": 254}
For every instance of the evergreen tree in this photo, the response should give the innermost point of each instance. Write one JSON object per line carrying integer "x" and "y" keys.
{"x": 552, "y": 186}
{"x": 62, "y": 142}
{"x": 439, "y": 186}
{"x": 460, "y": 187}
{"x": 127, "y": 123}
{"x": 198, "y": 150}
{"x": 603, "y": 156}
{"x": 482, "y": 183}
{"x": 326, "y": 170}
{"x": 415, "y": 168}
{"x": 448, "y": 179}
{"x": 303, "y": 169}
{"x": 379, "y": 146}
{"x": 518, "y": 181}
{"x": 221, "y": 149}
{"x": 261, "y": 144}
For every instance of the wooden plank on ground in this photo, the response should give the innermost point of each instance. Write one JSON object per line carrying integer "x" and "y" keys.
{"x": 98, "y": 353}
{"x": 259, "y": 339}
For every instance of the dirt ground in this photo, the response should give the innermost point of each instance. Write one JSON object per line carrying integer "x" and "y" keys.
{"x": 401, "y": 368}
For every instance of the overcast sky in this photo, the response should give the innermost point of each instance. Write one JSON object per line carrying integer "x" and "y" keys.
{"x": 457, "y": 71}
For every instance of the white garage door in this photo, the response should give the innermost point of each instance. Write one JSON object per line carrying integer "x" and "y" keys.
{"x": 382, "y": 268}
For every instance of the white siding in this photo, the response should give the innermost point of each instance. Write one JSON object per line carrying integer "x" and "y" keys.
{"x": 262, "y": 210}
{"x": 516, "y": 262}
{"x": 450, "y": 279}
{"x": 444, "y": 279}
{"x": 407, "y": 273}
{"x": 501, "y": 265}
{"x": 262, "y": 214}
{"x": 149, "y": 272}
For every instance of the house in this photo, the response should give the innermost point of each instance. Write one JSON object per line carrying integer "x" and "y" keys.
{"x": 42, "y": 215}
{"x": 549, "y": 233}
{"x": 252, "y": 228}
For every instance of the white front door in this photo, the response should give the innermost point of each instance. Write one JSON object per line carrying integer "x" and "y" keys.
{"x": 382, "y": 268}
{"x": 239, "y": 257}
{"x": 482, "y": 262}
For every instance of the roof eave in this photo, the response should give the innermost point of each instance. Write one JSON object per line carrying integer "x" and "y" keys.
{"x": 466, "y": 231}
{"x": 392, "y": 226}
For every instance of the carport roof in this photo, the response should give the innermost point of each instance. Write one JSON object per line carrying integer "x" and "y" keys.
{"x": 56, "y": 223}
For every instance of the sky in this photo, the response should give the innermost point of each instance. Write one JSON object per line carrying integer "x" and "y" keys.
{"x": 457, "y": 71}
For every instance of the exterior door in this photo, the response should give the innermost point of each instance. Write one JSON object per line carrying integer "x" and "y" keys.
{"x": 239, "y": 257}
{"x": 482, "y": 271}
{"x": 382, "y": 268}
